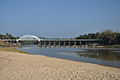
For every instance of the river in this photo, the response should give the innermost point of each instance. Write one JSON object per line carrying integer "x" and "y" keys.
{"x": 102, "y": 56}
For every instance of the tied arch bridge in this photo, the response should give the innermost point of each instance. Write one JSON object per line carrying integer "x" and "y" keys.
{"x": 32, "y": 39}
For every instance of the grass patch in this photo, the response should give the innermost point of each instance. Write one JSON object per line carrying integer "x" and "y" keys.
{"x": 114, "y": 46}
{"x": 11, "y": 49}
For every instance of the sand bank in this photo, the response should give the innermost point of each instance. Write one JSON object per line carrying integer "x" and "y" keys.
{"x": 17, "y": 66}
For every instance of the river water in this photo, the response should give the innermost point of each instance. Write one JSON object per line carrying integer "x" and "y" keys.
{"x": 102, "y": 56}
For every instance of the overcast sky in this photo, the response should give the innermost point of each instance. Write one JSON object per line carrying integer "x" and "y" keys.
{"x": 58, "y": 18}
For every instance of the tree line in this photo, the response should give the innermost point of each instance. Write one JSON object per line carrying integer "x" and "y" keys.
{"x": 7, "y": 36}
{"x": 107, "y": 36}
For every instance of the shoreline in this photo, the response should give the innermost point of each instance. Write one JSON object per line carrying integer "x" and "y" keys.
{"x": 79, "y": 60}
{"x": 14, "y": 49}
{"x": 17, "y": 66}
{"x": 74, "y": 60}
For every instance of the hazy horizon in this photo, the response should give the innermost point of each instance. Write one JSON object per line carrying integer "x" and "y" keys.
{"x": 58, "y": 18}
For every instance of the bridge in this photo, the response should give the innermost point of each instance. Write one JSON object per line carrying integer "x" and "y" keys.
{"x": 53, "y": 41}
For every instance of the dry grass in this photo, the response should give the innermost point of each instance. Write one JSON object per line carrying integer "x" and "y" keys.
{"x": 11, "y": 49}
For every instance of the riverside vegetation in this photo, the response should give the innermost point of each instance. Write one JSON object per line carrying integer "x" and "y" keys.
{"x": 108, "y": 38}
{"x": 11, "y": 49}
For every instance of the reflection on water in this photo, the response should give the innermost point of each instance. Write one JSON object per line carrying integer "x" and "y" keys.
{"x": 105, "y": 56}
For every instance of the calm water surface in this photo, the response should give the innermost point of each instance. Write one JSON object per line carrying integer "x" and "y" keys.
{"x": 103, "y": 56}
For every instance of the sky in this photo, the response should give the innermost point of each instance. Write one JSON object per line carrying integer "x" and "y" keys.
{"x": 58, "y": 18}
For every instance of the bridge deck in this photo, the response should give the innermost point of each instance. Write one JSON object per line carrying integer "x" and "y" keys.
{"x": 70, "y": 40}
{"x": 52, "y": 40}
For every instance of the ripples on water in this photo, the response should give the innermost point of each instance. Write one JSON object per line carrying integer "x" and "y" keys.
{"x": 103, "y": 56}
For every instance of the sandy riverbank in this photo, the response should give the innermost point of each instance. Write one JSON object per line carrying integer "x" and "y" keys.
{"x": 17, "y": 66}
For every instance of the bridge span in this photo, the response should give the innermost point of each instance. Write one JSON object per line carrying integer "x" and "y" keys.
{"x": 52, "y": 42}
{"x": 67, "y": 42}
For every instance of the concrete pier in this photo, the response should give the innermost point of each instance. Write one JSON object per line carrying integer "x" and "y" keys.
{"x": 68, "y": 42}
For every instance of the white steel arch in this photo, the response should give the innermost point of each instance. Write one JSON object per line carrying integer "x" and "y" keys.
{"x": 29, "y": 38}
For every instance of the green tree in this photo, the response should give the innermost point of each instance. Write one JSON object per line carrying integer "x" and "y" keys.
{"x": 108, "y": 36}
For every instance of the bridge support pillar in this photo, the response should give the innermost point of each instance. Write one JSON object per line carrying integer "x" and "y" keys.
{"x": 69, "y": 43}
{"x": 64, "y": 43}
{"x": 75, "y": 43}
{"x": 59, "y": 43}
{"x": 86, "y": 45}
{"x": 54, "y": 43}
{"x": 80, "y": 43}
{"x": 44, "y": 43}
{"x": 49, "y": 43}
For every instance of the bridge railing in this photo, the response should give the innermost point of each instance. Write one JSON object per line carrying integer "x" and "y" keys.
{"x": 51, "y": 40}
{"x": 70, "y": 40}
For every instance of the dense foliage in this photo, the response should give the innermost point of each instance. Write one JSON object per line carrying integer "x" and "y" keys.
{"x": 7, "y": 36}
{"x": 108, "y": 36}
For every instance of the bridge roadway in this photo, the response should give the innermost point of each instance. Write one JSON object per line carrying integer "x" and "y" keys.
{"x": 52, "y": 40}
{"x": 57, "y": 42}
